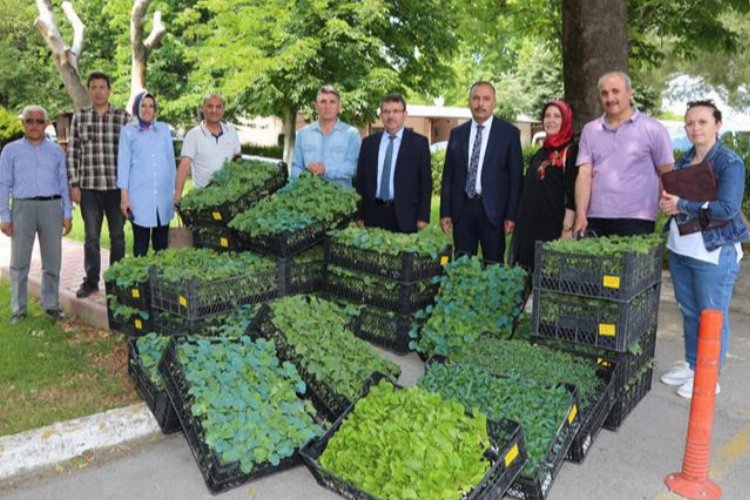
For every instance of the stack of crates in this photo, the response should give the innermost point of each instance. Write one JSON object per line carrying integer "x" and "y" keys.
{"x": 605, "y": 307}
{"x": 391, "y": 288}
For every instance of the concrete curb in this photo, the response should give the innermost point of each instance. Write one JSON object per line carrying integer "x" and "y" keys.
{"x": 47, "y": 446}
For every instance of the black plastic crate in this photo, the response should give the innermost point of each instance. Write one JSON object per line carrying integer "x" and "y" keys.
{"x": 620, "y": 277}
{"x": 194, "y": 299}
{"x": 172, "y": 325}
{"x": 221, "y": 215}
{"x": 137, "y": 295}
{"x": 290, "y": 243}
{"x": 389, "y": 330}
{"x": 405, "y": 267}
{"x": 156, "y": 399}
{"x": 220, "y": 239}
{"x": 327, "y": 402}
{"x": 592, "y": 419}
{"x": 133, "y": 326}
{"x": 406, "y": 298}
{"x": 217, "y": 476}
{"x": 599, "y": 323}
{"x": 507, "y": 455}
{"x": 629, "y": 398}
{"x": 299, "y": 276}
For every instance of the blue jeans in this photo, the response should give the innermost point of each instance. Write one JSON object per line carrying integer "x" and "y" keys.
{"x": 700, "y": 285}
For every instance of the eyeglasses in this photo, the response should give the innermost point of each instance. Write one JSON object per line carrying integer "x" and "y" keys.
{"x": 38, "y": 121}
{"x": 709, "y": 103}
{"x": 391, "y": 111}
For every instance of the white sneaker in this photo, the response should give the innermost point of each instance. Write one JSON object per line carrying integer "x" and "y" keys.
{"x": 686, "y": 389}
{"x": 678, "y": 375}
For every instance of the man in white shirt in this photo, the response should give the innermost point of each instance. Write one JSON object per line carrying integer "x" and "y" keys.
{"x": 207, "y": 146}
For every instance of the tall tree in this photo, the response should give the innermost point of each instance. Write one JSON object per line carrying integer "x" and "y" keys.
{"x": 272, "y": 56}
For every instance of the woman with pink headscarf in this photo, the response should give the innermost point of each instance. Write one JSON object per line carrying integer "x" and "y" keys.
{"x": 547, "y": 208}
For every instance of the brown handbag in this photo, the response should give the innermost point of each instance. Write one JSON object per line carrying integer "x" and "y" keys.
{"x": 694, "y": 183}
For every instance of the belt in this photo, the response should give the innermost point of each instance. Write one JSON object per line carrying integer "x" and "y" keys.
{"x": 477, "y": 196}
{"x": 42, "y": 198}
{"x": 385, "y": 203}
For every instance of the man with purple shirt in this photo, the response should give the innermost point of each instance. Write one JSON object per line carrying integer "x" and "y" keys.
{"x": 32, "y": 171}
{"x": 620, "y": 158}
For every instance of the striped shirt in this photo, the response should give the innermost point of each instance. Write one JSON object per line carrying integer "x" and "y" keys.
{"x": 92, "y": 149}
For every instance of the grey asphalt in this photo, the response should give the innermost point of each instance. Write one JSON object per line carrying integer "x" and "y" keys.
{"x": 628, "y": 464}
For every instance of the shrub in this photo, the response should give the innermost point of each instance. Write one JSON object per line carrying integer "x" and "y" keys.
{"x": 267, "y": 151}
{"x": 10, "y": 127}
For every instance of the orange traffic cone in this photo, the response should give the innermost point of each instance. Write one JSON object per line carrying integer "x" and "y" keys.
{"x": 693, "y": 481}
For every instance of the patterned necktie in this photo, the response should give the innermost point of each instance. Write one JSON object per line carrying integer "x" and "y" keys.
{"x": 471, "y": 177}
{"x": 385, "y": 178}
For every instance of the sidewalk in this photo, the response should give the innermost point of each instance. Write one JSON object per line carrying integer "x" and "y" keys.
{"x": 91, "y": 310}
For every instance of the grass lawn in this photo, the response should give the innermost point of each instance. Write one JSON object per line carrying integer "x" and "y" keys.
{"x": 52, "y": 372}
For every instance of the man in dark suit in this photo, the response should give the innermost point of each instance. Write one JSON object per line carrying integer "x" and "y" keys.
{"x": 393, "y": 173}
{"x": 482, "y": 176}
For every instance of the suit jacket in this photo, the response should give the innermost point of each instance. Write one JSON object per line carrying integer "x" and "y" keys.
{"x": 502, "y": 172}
{"x": 412, "y": 180}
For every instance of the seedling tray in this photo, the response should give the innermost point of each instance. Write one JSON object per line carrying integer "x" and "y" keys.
{"x": 620, "y": 277}
{"x": 156, "y": 399}
{"x": 381, "y": 328}
{"x": 220, "y": 215}
{"x": 405, "y": 267}
{"x": 220, "y": 239}
{"x": 137, "y": 295}
{"x": 133, "y": 326}
{"x": 217, "y": 476}
{"x": 299, "y": 276}
{"x": 604, "y": 324}
{"x": 507, "y": 455}
{"x": 194, "y": 299}
{"x": 406, "y": 298}
{"x": 629, "y": 398}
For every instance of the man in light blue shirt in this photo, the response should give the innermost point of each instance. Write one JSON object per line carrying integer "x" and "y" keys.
{"x": 32, "y": 170}
{"x": 327, "y": 147}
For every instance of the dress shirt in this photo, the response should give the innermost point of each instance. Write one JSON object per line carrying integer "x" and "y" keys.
{"x": 208, "y": 152}
{"x": 338, "y": 151}
{"x": 29, "y": 170}
{"x": 92, "y": 149}
{"x": 146, "y": 168}
{"x": 485, "y": 138}
{"x": 384, "y": 140}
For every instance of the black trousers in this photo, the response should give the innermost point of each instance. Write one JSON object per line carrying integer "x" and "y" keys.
{"x": 158, "y": 237}
{"x": 95, "y": 205}
{"x": 473, "y": 227}
{"x": 620, "y": 227}
{"x": 382, "y": 216}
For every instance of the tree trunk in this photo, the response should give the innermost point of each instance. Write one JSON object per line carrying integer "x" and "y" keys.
{"x": 140, "y": 48}
{"x": 290, "y": 135}
{"x": 595, "y": 41}
{"x": 66, "y": 58}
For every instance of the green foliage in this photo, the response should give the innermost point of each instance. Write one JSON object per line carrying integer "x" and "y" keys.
{"x": 130, "y": 271}
{"x": 540, "y": 409}
{"x": 437, "y": 163}
{"x": 267, "y": 151}
{"x": 245, "y": 401}
{"x": 150, "y": 349}
{"x": 427, "y": 242}
{"x": 527, "y": 153}
{"x": 473, "y": 299}
{"x": 319, "y": 334}
{"x": 202, "y": 264}
{"x": 125, "y": 313}
{"x": 229, "y": 184}
{"x": 304, "y": 201}
{"x": 409, "y": 444}
{"x": 10, "y": 127}
{"x": 610, "y": 246}
{"x": 521, "y": 359}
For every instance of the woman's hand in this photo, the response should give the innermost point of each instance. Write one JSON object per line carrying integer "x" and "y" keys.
{"x": 668, "y": 203}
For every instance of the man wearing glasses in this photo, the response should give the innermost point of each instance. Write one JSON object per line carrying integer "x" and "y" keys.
{"x": 393, "y": 173}
{"x": 32, "y": 172}
{"x": 620, "y": 157}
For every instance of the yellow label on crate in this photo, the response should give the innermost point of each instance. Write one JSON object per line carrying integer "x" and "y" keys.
{"x": 611, "y": 282}
{"x": 607, "y": 329}
{"x": 602, "y": 362}
{"x": 138, "y": 324}
{"x": 216, "y": 215}
{"x": 572, "y": 414}
{"x": 511, "y": 455}
{"x": 443, "y": 260}
{"x": 135, "y": 293}
{"x": 223, "y": 242}
{"x": 182, "y": 300}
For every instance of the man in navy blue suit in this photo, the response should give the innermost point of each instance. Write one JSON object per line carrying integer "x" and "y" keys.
{"x": 482, "y": 176}
{"x": 393, "y": 173}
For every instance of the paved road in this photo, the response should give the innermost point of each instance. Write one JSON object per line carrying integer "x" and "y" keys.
{"x": 629, "y": 464}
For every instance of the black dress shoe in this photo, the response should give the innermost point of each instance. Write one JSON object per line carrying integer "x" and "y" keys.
{"x": 55, "y": 314}
{"x": 86, "y": 289}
